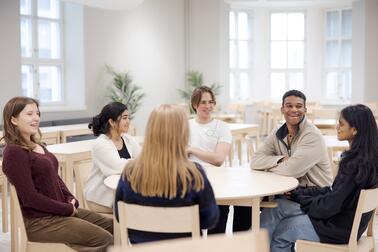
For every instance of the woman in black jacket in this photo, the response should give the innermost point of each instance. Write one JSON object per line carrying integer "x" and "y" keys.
{"x": 326, "y": 214}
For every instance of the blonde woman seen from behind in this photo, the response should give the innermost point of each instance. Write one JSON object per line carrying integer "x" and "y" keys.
{"x": 163, "y": 176}
{"x": 113, "y": 149}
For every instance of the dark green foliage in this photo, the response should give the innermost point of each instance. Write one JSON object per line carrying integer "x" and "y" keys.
{"x": 124, "y": 91}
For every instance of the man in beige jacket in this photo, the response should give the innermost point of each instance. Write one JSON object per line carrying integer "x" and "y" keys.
{"x": 295, "y": 149}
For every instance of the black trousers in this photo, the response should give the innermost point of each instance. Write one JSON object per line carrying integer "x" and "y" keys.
{"x": 242, "y": 219}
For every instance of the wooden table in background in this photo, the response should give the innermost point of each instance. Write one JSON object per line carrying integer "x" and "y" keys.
{"x": 70, "y": 153}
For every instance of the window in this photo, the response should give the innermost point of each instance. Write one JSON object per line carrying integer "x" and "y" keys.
{"x": 240, "y": 44}
{"x": 41, "y": 50}
{"x": 287, "y": 46}
{"x": 338, "y": 55}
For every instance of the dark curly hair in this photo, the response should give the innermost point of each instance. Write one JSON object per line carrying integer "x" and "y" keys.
{"x": 100, "y": 123}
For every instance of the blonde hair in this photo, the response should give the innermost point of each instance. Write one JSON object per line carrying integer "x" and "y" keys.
{"x": 163, "y": 166}
{"x": 12, "y": 135}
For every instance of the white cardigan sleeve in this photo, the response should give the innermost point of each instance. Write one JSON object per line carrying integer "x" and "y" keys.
{"x": 106, "y": 157}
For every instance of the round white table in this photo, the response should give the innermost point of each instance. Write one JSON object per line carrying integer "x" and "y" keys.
{"x": 239, "y": 187}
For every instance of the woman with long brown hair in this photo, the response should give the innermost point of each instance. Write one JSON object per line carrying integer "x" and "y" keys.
{"x": 163, "y": 176}
{"x": 50, "y": 211}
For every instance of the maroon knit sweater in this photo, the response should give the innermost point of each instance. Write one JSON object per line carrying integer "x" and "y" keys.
{"x": 40, "y": 190}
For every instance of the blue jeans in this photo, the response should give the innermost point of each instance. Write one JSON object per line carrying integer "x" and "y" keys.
{"x": 285, "y": 224}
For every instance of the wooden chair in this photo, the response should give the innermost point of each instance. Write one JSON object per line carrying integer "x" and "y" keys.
{"x": 367, "y": 202}
{"x": 157, "y": 219}
{"x": 249, "y": 241}
{"x": 239, "y": 110}
{"x": 19, "y": 238}
{"x": 4, "y": 199}
{"x": 333, "y": 154}
{"x": 82, "y": 171}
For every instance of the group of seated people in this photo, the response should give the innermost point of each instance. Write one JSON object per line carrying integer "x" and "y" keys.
{"x": 168, "y": 171}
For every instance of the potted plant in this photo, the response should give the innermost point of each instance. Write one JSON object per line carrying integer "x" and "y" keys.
{"x": 124, "y": 91}
{"x": 194, "y": 80}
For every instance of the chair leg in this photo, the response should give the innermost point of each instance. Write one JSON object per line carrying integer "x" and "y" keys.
{"x": 4, "y": 204}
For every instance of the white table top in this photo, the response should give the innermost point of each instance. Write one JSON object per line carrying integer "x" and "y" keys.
{"x": 71, "y": 148}
{"x": 241, "y": 126}
{"x": 237, "y": 183}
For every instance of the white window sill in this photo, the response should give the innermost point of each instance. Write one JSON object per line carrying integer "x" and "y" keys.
{"x": 61, "y": 108}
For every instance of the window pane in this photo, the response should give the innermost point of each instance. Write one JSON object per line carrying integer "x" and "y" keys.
{"x": 48, "y": 8}
{"x": 25, "y": 7}
{"x": 295, "y": 54}
{"x": 278, "y": 54}
{"x": 331, "y": 85}
{"x": 332, "y": 53}
{"x": 296, "y": 26}
{"x": 332, "y": 24}
{"x": 233, "y": 88}
{"x": 26, "y": 37}
{"x": 232, "y": 25}
{"x": 346, "y": 23}
{"x": 296, "y": 81}
{"x": 278, "y": 26}
{"x": 346, "y": 85}
{"x": 243, "y": 26}
{"x": 243, "y": 54}
{"x": 277, "y": 85}
{"x": 244, "y": 86}
{"x": 232, "y": 54}
{"x": 27, "y": 80}
{"x": 346, "y": 53}
{"x": 48, "y": 39}
{"x": 49, "y": 84}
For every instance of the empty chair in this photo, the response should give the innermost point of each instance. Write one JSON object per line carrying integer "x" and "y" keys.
{"x": 19, "y": 238}
{"x": 368, "y": 201}
{"x": 157, "y": 219}
{"x": 242, "y": 242}
{"x": 82, "y": 170}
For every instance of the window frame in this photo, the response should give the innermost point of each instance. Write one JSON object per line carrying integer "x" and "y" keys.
{"x": 339, "y": 69}
{"x": 287, "y": 70}
{"x": 237, "y": 71}
{"x": 35, "y": 62}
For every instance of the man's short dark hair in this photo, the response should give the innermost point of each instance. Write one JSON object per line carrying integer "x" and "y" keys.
{"x": 296, "y": 93}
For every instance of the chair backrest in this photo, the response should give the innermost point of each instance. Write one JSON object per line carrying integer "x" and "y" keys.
{"x": 17, "y": 222}
{"x": 249, "y": 241}
{"x": 82, "y": 170}
{"x": 19, "y": 238}
{"x": 157, "y": 219}
{"x": 334, "y": 155}
{"x": 368, "y": 201}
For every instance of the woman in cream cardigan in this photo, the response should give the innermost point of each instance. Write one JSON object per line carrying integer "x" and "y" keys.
{"x": 111, "y": 152}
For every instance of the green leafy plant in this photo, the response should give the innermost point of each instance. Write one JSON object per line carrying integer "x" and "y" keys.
{"x": 195, "y": 79}
{"x": 124, "y": 91}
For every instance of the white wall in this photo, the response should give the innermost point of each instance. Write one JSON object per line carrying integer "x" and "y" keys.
{"x": 10, "y": 62}
{"x": 147, "y": 41}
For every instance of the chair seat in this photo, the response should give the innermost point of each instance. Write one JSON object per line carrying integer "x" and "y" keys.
{"x": 364, "y": 244}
